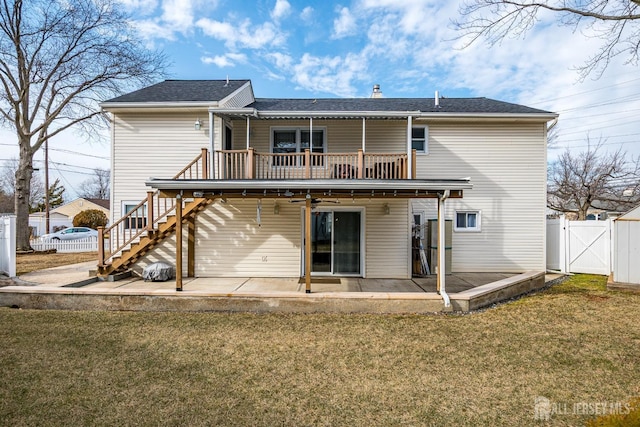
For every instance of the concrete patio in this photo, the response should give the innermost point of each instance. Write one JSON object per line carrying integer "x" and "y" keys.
{"x": 71, "y": 288}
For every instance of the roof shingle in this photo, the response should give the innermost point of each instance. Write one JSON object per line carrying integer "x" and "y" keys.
{"x": 183, "y": 91}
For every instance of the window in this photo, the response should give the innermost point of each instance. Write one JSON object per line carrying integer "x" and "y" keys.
{"x": 418, "y": 225}
{"x": 138, "y": 220}
{"x": 467, "y": 221}
{"x": 295, "y": 141}
{"x": 419, "y": 139}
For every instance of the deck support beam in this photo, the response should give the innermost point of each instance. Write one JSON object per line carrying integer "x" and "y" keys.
{"x": 307, "y": 245}
{"x": 191, "y": 248}
{"x": 178, "y": 242}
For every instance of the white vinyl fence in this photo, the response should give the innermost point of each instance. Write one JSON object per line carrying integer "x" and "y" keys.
{"x": 580, "y": 246}
{"x": 8, "y": 245}
{"x": 90, "y": 244}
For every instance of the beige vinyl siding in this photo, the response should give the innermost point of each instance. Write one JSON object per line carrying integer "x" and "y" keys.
{"x": 387, "y": 240}
{"x": 152, "y": 145}
{"x": 229, "y": 242}
{"x": 507, "y": 166}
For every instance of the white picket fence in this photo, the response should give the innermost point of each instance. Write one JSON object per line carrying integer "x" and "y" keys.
{"x": 580, "y": 246}
{"x": 90, "y": 244}
{"x": 8, "y": 245}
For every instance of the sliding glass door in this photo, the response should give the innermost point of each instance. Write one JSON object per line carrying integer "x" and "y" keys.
{"x": 336, "y": 242}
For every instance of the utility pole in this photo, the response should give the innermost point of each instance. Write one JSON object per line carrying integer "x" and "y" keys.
{"x": 46, "y": 186}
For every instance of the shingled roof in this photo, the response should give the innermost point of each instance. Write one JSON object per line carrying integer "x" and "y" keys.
{"x": 183, "y": 91}
{"x": 447, "y": 105}
{"x": 176, "y": 91}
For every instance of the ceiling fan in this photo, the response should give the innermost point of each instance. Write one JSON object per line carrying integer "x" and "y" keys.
{"x": 315, "y": 201}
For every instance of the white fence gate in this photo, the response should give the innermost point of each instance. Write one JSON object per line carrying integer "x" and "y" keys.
{"x": 90, "y": 244}
{"x": 579, "y": 246}
{"x": 8, "y": 245}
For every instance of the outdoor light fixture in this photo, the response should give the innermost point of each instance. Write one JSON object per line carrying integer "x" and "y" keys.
{"x": 198, "y": 124}
{"x": 387, "y": 209}
{"x": 276, "y": 209}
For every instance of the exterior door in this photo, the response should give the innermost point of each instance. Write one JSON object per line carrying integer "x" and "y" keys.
{"x": 336, "y": 242}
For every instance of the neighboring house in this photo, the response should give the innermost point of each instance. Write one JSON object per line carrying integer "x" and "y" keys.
{"x": 62, "y": 216}
{"x": 301, "y": 187}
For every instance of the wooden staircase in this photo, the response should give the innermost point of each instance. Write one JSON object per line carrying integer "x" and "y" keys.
{"x": 128, "y": 257}
{"x": 148, "y": 224}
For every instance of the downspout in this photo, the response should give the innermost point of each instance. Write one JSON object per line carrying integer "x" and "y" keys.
{"x": 441, "y": 249}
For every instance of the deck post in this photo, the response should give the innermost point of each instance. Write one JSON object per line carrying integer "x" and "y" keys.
{"x": 360, "y": 164}
{"x": 307, "y": 163}
{"x": 409, "y": 131}
{"x": 191, "y": 248}
{"x": 150, "y": 213}
{"x": 100, "y": 246}
{"x": 413, "y": 165}
{"x": 250, "y": 157}
{"x": 178, "y": 242}
{"x": 307, "y": 245}
{"x": 205, "y": 158}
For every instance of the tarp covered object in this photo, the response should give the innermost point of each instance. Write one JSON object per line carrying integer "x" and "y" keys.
{"x": 158, "y": 272}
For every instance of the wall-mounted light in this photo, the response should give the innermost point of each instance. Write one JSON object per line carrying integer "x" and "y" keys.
{"x": 276, "y": 209}
{"x": 198, "y": 124}
{"x": 387, "y": 209}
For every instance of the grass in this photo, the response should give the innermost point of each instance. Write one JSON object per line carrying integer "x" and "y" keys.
{"x": 573, "y": 343}
{"x": 26, "y": 263}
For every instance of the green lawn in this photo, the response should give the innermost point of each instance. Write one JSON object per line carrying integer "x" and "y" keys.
{"x": 574, "y": 343}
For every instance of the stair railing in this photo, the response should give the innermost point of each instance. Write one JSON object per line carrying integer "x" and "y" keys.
{"x": 145, "y": 216}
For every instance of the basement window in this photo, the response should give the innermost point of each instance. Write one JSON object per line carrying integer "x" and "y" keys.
{"x": 138, "y": 219}
{"x": 467, "y": 221}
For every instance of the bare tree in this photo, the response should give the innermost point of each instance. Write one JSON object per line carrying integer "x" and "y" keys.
{"x": 615, "y": 22}
{"x": 8, "y": 184}
{"x": 58, "y": 59}
{"x": 96, "y": 187}
{"x": 592, "y": 179}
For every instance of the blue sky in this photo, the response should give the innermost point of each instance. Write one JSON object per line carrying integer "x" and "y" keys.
{"x": 291, "y": 48}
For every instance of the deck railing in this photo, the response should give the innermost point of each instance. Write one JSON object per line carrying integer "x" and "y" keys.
{"x": 145, "y": 216}
{"x": 248, "y": 164}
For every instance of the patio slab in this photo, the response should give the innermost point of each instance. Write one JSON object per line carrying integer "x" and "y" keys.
{"x": 65, "y": 288}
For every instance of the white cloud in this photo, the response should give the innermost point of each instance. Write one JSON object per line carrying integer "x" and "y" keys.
{"x": 307, "y": 14}
{"x": 327, "y": 74}
{"x": 226, "y": 60}
{"x": 344, "y": 25}
{"x": 281, "y": 60}
{"x": 150, "y": 29}
{"x": 282, "y": 9}
{"x": 176, "y": 16}
{"x": 244, "y": 35}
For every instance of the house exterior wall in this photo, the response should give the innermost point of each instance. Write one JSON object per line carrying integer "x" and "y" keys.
{"x": 73, "y": 208}
{"x": 507, "y": 166}
{"x": 506, "y": 162}
{"x": 230, "y": 243}
{"x": 148, "y": 145}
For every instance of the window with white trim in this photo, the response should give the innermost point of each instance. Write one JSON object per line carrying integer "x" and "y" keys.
{"x": 295, "y": 140}
{"x": 420, "y": 139}
{"x": 467, "y": 221}
{"x": 138, "y": 219}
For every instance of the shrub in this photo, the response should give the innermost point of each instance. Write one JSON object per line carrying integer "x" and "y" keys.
{"x": 92, "y": 218}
